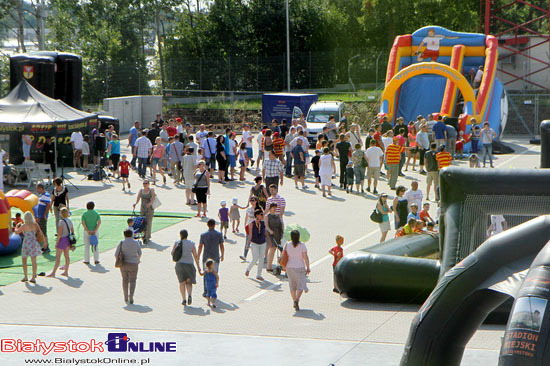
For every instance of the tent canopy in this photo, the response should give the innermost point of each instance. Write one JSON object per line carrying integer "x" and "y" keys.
{"x": 25, "y": 109}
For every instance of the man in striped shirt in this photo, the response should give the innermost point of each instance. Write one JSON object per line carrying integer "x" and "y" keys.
{"x": 443, "y": 158}
{"x": 393, "y": 157}
{"x": 275, "y": 198}
{"x": 143, "y": 148}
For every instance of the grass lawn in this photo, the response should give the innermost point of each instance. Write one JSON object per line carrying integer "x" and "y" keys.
{"x": 112, "y": 224}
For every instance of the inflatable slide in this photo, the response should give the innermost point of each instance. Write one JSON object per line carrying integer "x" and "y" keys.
{"x": 432, "y": 72}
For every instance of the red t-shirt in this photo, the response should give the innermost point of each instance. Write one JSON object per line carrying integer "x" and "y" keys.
{"x": 378, "y": 138}
{"x": 459, "y": 145}
{"x": 172, "y": 131}
{"x": 424, "y": 215}
{"x": 402, "y": 141}
{"x": 338, "y": 253}
{"x": 124, "y": 167}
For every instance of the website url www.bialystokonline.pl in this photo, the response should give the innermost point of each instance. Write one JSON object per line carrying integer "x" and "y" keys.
{"x": 88, "y": 361}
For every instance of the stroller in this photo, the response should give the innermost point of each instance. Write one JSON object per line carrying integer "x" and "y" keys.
{"x": 139, "y": 227}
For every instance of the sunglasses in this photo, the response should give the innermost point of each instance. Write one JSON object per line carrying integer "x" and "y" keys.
{"x": 144, "y": 183}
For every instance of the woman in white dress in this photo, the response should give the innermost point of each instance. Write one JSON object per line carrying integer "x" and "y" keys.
{"x": 326, "y": 169}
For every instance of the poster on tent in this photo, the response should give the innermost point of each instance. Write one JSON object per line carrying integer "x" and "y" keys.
{"x": 39, "y": 133}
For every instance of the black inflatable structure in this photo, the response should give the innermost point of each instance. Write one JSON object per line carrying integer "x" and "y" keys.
{"x": 467, "y": 293}
{"x": 55, "y": 74}
{"x": 389, "y": 271}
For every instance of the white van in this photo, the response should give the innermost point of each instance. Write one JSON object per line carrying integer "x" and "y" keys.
{"x": 318, "y": 115}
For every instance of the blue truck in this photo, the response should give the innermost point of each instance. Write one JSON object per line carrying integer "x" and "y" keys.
{"x": 287, "y": 106}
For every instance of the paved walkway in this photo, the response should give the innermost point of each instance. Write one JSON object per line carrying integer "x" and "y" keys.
{"x": 253, "y": 319}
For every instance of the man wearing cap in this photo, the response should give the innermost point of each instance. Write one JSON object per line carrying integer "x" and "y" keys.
{"x": 393, "y": 157}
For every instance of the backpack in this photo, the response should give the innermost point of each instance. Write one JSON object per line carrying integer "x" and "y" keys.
{"x": 176, "y": 256}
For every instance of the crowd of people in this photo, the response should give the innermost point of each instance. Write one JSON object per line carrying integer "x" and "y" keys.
{"x": 193, "y": 160}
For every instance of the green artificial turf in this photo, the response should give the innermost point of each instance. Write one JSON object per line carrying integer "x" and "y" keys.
{"x": 113, "y": 223}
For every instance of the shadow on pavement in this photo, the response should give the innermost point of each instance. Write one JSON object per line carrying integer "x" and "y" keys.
{"x": 309, "y": 314}
{"x": 192, "y": 310}
{"x": 138, "y": 308}
{"x": 373, "y": 306}
{"x": 222, "y": 307}
{"x": 37, "y": 289}
{"x": 152, "y": 245}
{"x": 72, "y": 282}
{"x": 98, "y": 268}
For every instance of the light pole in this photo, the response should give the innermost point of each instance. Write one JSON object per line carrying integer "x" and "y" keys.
{"x": 349, "y": 72}
{"x": 287, "y": 49}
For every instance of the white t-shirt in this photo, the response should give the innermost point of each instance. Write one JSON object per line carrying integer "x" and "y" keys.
{"x": 373, "y": 156}
{"x": 387, "y": 141}
{"x": 259, "y": 139}
{"x": 201, "y": 136}
{"x": 85, "y": 148}
{"x": 77, "y": 138}
{"x": 232, "y": 145}
{"x": 432, "y": 43}
{"x": 414, "y": 196}
{"x": 247, "y": 137}
{"x": 242, "y": 154}
{"x": 496, "y": 224}
{"x": 193, "y": 146}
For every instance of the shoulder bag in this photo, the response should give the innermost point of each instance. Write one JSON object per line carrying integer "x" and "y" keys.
{"x": 364, "y": 161}
{"x": 376, "y": 216}
{"x": 194, "y": 188}
{"x": 176, "y": 256}
{"x": 72, "y": 238}
{"x": 119, "y": 261}
{"x": 284, "y": 258}
{"x": 156, "y": 203}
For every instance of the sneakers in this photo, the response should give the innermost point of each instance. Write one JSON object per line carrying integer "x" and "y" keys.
{"x": 375, "y": 191}
{"x": 368, "y": 189}
{"x": 242, "y": 258}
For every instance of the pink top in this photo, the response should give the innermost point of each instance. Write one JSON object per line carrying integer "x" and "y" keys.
{"x": 412, "y": 139}
{"x": 295, "y": 258}
{"x": 159, "y": 151}
{"x": 402, "y": 141}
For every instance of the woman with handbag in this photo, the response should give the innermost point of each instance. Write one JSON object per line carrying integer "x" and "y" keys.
{"x": 295, "y": 262}
{"x": 201, "y": 188}
{"x": 65, "y": 241}
{"x": 31, "y": 247}
{"x": 147, "y": 196}
{"x": 383, "y": 208}
{"x": 128, "y": 255}
{"x": 256, "y": 242}
{"x": 185, "y": 269}
{"x": 221, "y": 158}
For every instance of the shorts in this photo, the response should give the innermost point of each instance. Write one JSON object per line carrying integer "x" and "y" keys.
{"x": 115, "y": 158}
{"x": 249, "y": 152}
{"x": 384, "y": 226}
{"x": 316, "y": 173}
{"x": 359, "y": 174}
{"x": 433, "y": 54}
{"x": 241, "y": 162}
{"x": 299, "y": 170}
{"x": 373, "y": 172}
{"x": 232, "y": 161}
{"x": 185, "y": 271}
{"x": 77, "y": 154}
{"x": 432, "y": 177}
{"x": 124, "y": 175}
{"x": 156, "y": 161}
{"x": 224, "y": 224}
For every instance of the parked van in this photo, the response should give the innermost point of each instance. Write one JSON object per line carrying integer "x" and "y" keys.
{"x": 318, "y": 115}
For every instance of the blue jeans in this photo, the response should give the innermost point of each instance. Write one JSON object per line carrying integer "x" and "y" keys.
{"x": 488, "y": 151}
{"x": 142, "y": 166}
{"x": 288, "y": 167}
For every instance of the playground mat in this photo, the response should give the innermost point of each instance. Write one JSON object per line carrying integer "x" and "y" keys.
{"x": 113, "y": 222}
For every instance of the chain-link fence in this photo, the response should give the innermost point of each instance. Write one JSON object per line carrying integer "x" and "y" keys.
{"x": 525, "y": 112}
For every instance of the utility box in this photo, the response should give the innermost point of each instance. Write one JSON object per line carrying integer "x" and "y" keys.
{"x": 127, "y": 110}
{"x": 281, "y": 106}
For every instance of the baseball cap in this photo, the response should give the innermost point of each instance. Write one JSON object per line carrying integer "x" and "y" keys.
{"x": 223, "y": 203}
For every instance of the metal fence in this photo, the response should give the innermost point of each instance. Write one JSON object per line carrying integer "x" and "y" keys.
{"x": 525, "y": 112}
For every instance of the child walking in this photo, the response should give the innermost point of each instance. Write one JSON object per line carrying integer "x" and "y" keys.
{"x": 349, "y": 177}
{"x": 124, "y": 172}
{"x": 235, "y": 215}
{"x": 337, "y": 252}
{"x": 243, "y": 161}
{"x": 212, "y": 281}
{"x": 223, "y": 215}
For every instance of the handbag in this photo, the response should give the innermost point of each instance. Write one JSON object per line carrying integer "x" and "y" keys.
{"x": 194, "y": 188}
{"x": 284, "y": 258}
{"x": 119, "y": 261}
{"x": 376, "y": 216}
{"x": 364, "y": 162}
{"x": 156, "y": 203}
{"x": 39, "y": 235}
{"x": 93, "y": 240}
{"x": 176, "y": 256}
{"x": 72, "y": 238}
